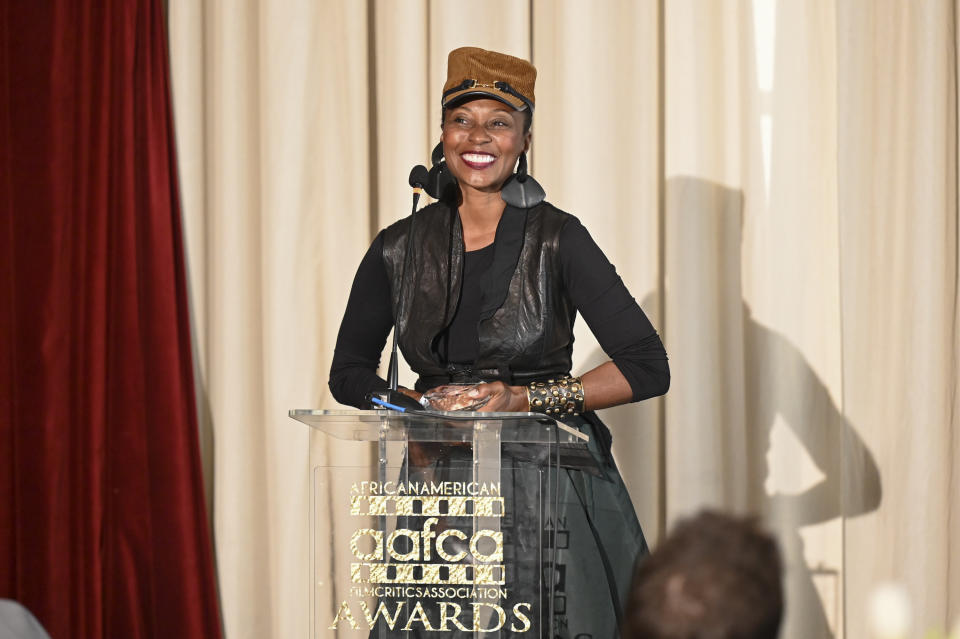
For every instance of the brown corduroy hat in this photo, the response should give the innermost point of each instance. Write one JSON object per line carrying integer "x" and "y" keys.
{"x": 477, "y": 72}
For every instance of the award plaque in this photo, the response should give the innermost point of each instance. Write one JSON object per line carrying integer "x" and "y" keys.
{"x": 436, "y": 525}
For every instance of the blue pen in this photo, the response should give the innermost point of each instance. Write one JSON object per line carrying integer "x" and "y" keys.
{"x": 380, "y": 402}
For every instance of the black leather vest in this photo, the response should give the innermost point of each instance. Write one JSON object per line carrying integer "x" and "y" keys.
{"x": 526, "y": 318}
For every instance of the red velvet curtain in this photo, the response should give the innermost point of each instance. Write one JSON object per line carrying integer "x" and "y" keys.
{"x": 103, "y": 528}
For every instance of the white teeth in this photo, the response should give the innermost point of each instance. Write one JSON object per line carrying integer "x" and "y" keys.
{"x": 478, "y": 158}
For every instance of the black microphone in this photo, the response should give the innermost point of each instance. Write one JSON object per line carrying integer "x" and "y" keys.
{"x": 419, "y": 176}
{"x": 418, "y": 179}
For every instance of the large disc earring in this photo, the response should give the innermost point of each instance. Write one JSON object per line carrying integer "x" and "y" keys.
{"x": 520, "y": 189}
{"x": 439, "y": 178}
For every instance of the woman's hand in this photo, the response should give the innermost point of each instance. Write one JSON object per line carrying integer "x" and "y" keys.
{"x": 410, "y": 393}
{"x": 503, "y": 398}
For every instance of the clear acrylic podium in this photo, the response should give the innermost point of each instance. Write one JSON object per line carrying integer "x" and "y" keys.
{"x": 438, "y": 526}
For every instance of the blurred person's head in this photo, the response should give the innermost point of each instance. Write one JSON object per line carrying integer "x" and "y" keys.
{"x": 714, "y": 577}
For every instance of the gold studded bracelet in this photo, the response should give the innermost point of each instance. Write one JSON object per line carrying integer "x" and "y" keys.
{"x": 561, "y": 397}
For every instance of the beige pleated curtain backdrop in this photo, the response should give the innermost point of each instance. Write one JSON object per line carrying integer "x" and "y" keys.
{"x": 775, "y": 181}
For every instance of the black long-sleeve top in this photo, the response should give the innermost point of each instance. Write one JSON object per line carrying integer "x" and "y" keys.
{"x": 598, "y": 293}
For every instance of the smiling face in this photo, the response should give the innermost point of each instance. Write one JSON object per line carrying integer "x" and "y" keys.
{"x": 482, "y": 140}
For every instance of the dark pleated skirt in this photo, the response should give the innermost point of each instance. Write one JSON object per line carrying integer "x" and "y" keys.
{"x": 588, "y": 547}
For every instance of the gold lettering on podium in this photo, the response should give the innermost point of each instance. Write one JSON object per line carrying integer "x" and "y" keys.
{"x": 415, "y": 573}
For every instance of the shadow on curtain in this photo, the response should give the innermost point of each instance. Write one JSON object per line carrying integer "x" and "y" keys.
{"x": 767, "y": 384}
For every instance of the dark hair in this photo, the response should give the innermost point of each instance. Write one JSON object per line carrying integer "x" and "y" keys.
{"x": 715, "y": 576}
{"x": 527, "y": 117}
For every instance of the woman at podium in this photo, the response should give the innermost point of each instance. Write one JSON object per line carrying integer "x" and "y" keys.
{"x": 494, "y": 278}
